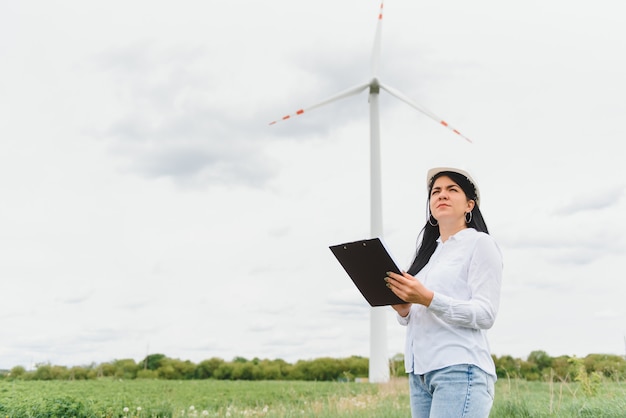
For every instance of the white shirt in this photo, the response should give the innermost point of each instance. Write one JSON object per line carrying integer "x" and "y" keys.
{"x": 465, "y": 274}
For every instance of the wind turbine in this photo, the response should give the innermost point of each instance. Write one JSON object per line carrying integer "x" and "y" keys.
{"x": 378, "y": 360}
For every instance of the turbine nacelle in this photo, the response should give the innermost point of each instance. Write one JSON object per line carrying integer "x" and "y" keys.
{"x": 374, "y": 86}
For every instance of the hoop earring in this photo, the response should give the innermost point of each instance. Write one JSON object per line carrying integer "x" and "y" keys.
{"x": 470, "y": 217}
{"x": 430, "y": 222}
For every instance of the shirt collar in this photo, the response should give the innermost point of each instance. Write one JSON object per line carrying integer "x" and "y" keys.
{"x": 463, "y": 233}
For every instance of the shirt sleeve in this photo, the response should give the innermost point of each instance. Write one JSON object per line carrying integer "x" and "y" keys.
{"x": 484, "y": 281}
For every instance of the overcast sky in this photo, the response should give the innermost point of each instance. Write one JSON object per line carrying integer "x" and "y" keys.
{"x": 148, "y": 207}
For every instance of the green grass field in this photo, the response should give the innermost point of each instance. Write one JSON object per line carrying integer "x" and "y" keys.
{"x": 213, "y": 398}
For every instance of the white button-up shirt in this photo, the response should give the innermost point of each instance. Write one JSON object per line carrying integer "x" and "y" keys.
{"x": 465, "y": 274}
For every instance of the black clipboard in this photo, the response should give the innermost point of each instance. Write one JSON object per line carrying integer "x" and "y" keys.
{"x": 367, "y": 263}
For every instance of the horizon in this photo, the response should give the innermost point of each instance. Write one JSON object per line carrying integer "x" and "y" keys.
{"x": 236, "y": 357}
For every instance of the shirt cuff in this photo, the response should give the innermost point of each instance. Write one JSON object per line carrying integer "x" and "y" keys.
{"x": 404, "y": 320}
{"x": 439, "y": 304}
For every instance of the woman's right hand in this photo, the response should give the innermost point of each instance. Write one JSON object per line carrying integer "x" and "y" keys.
{"x": 403, "y": 309}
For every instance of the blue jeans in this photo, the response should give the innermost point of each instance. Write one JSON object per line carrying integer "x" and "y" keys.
{"x": 460, "y": 391}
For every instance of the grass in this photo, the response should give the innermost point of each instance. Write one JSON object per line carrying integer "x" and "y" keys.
{"x": 519, "y": 398}
{"x": 212, "y": 398}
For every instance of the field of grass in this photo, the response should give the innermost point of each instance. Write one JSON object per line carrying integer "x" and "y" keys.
{"x": 213, "y": 398}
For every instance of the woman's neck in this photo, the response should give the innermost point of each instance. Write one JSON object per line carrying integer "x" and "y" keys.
{"x": 446, "y": 231}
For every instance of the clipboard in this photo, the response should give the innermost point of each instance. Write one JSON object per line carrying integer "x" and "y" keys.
{"x": 367, "y": 263}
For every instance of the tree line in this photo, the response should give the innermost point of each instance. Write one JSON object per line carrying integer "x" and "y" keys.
{"x": 537, "y": 366}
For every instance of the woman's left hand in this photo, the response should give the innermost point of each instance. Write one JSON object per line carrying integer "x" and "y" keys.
{"x": 408, "y": 288}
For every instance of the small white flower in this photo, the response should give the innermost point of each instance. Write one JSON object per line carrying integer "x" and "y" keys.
{"x": 205, "y": 413}
{"x": 125, "y": 409}
{"x": 191, "y": 408}
{"x": 138, "y": 409}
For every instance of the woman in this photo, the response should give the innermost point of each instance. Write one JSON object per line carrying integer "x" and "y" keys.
{"x": 453, "y": 292}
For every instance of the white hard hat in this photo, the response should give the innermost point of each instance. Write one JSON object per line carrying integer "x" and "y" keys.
{"x": 434, "y": 171}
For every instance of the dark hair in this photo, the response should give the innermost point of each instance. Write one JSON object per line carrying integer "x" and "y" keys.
{"x": 429, "y": 233}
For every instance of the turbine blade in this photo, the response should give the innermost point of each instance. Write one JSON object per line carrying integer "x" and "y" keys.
{"x": 342, "y": 95}
{"x": 377, "y": 43}
{"x": 426, "y": 112}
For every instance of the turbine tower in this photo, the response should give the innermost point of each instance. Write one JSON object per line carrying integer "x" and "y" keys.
{"x": 378, "y": 359}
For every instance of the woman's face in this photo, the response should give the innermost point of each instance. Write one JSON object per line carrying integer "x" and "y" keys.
{"x": 448, "y": 202}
